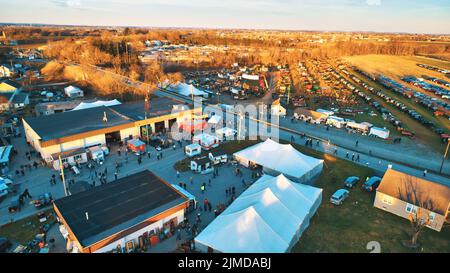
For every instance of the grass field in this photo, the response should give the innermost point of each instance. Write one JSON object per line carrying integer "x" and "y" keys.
{"x": 397, "y": 66}
{"x": 349, "y": 227}
{"x": 25, "y": 229}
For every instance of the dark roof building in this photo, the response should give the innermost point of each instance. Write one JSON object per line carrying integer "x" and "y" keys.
{"x": 71, "y": 123}
{"x": 98, "y": 217}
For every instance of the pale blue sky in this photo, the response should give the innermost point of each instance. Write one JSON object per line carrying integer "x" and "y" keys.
{"x": 427, "y": 16}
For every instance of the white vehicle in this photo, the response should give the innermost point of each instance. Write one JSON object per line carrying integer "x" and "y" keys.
{"x": 96, "y": 153}
{"x": 193, "y": 149}
{"x": 379, "y": 132}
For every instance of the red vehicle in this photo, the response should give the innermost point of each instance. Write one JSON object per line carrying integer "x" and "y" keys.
{"x": 136, "y": 145}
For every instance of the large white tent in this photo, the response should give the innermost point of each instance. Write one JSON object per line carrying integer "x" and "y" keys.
{"x": 276, "y": 158}
{"x": 86, "y": 105}
{"x": 187, "y": 90}
{"x": 269, "y": 217}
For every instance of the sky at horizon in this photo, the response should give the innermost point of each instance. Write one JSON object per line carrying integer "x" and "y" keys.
{"x": 411, "y": 16}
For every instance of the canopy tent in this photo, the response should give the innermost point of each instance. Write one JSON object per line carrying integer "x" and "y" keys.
{"x": 192, "y": 126}
{"x": 86, "y": 105}
{"x": 276, "y": 158}
{"x": 215, "y": 119}
{"x": 269, "y": 217}
{"x": 188, "y": 89}
{"x": 225, "y": 133}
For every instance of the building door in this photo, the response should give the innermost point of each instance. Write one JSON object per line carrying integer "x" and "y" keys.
{"x": 159, "y": 127}
{"x": 112, "y": 137}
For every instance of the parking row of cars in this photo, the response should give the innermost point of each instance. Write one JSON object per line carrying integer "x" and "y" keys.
{"x": 371, "y": 184}
{"x": 404, "y": 91}
{"x": 421, "y": 83}
{"x": 433, "y": 68}
{"x": 386, "y": 114}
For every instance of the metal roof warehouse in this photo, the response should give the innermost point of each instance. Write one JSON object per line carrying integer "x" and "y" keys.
{"x": 109, "y": 217}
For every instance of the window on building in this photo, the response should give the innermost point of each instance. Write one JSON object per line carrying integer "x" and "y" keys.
{"x": 387, "y": 200}
{"x": 410, "y": 208}
{"x": 432, "y": 216}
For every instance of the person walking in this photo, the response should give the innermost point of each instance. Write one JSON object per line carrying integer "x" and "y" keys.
{"x": 115, "y": 176}
{"x": 202, "y": 188}
{"x": 346, "y": 155}
{"x": 178, "y": 174}
{"x": 356, "y": 143}
{"x": 353, "y": 157}
{"x": 243, "y": 183}
{"x": 425, "y": 173}
{"x": 205, "y": 204}
{"x": 357, "y": 157}
{"x": 149, "y": 154}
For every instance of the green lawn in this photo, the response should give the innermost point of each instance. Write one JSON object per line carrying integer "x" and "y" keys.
{"x": 349, "y": 227}
{"x": 25, "y": 229}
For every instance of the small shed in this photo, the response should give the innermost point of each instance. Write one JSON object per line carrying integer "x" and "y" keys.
{"x": 218, "y": 156}
{"x": 73, "y": 92}
{"x": 277, "y": 109}
{"x": 202, "y": 165}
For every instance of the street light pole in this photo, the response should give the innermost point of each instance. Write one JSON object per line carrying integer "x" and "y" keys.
{"x": 445, "y": 155}
{"x": 62, "y": 175}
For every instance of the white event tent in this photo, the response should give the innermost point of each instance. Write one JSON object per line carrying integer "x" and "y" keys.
{"x": 269, "y": 217}
{"x": 187, "y": 90}
{"x": 276, "y": 158}
{"x": 86, "y": 105}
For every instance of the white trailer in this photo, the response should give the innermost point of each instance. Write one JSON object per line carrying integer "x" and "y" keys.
{"x": 193, "y": 149}
{"x": 358, "y": 126}
{"x": 336, "y": 121}
{"x": 379, "y": 132}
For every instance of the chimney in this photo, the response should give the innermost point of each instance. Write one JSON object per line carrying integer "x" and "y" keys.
{"x": 87, "y": 216}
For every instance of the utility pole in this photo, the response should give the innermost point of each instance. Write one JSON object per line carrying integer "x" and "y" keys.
{"x": 61, "y": 167}
{"x": 192, "y": 92}
{"x": 147, "y": 107}
{"x": 445, "y": 155}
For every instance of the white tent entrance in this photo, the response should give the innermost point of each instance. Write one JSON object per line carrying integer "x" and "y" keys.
{"x": 276, "y": 158}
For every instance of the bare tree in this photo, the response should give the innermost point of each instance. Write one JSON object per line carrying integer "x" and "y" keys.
{"x": 422, "y": 205}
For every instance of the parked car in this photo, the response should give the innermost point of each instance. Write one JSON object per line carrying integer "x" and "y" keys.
{"x": 339, "y": 196}
{"x": 372, "y": 183}
{"x": 351, "y": 181}
{"x": 5, "y": 244}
